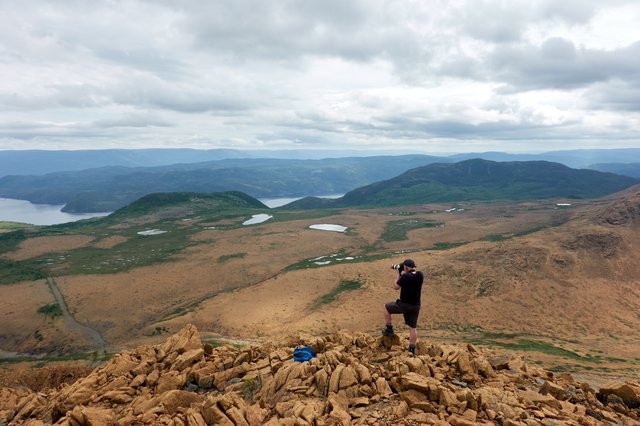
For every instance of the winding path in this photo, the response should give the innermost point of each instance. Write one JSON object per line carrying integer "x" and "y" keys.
{"x": 91, "y": 335}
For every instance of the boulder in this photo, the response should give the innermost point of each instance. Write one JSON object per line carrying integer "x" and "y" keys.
{"x": 194, "y": 418}
{"x": 466, "y": 368}
{"x": 449, "y": 400}
{"x": 483, "y": 367}
{"x": 551, "y": 388}
{"x": 183, "y": 341}
{"x": 187, "y": 359}
{"x": 311, "y": 412}
{"x": 348, "y": 377}
{"x": 459, "y": 420}
{"x": 152, "y": 378}
{"x": 169, "y": 381}
{"x": 388, "y": 342}
{"x": 382, "y": 388}
{"x": 92, "y": 416}
{"x": 334, "y": 380}
{"x": 499, "y": 362}
{"x": 29, "y": 406}
{"x": 628, "y": 392}
{"x": 121, "y": 364}
{"x": 138, "y": 380}
{"x": 413, "y": 397}
{"x": 418, "y": 382}
{"x": 364, "y": 376}
{"x": 174, "y": 400}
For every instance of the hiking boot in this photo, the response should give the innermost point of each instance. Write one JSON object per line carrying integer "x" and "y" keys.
{"x": 412, "y": 350}
{"x": 388, "y": 331}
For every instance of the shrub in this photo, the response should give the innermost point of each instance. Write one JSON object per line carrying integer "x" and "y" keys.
{"x": 52, "y": 309}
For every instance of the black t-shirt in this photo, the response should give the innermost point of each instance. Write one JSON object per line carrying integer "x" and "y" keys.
{"x": 410, "y": 287}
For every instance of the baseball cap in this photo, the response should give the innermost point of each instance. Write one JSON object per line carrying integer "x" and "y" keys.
{"x": 410, "y": 263}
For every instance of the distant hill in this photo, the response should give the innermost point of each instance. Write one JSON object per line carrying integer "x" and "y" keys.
{"x": 109, "y": 188}
{"x": 578, "y": 158}
{"x": 627, "y": 169}
{"x": 479, "y": 180}
{"x": 41, "y": 162}
{"x": 193, "y": 201}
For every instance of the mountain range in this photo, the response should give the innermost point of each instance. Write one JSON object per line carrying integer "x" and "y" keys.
{"x": 40, "y": 162}
{"x": 627, "y": 169}
{"x": 109, "y": 188}
{"x": 368, "y": 181}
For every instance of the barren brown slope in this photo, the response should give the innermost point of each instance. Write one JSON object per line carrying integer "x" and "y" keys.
{"x": 578, "y": 283}
{"x": 575, "y": 279}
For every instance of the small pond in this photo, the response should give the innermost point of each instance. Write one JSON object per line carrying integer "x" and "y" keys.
{"x": 257, "y": 218}
{"x": 152, "y": 232}
{"x": 329, "y": 227}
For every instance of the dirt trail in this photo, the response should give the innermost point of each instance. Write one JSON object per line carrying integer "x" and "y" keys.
{"x": 88, "y": 333}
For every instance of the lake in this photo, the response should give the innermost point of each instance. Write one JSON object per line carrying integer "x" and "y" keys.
{"x": 277, "y": 202}
{"x": 48, "y": 214}
{"x": 38, "y": 214}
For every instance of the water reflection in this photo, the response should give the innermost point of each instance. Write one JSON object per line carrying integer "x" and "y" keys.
{"x": 38, "y": 214}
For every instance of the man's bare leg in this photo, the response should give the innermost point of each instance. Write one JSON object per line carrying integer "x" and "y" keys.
{"x": 413, "y": 338}
{"x": 388, "y": 331}
{"x": 387, "y": 316}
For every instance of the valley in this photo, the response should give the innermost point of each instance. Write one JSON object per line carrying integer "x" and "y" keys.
{"x": 555, "y": 280}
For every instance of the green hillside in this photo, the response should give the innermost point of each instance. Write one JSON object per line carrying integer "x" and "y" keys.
{"x": 110, "y": 188}
{"x": 177, "y": 216}
{"x": 480, "y": 180}
{"x": 195, "y": 202}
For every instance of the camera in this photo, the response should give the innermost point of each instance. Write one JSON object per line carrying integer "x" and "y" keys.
{"x": 398, "y": 267}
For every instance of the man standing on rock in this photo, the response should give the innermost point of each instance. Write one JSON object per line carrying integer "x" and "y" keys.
{"x": 409, "y": 282}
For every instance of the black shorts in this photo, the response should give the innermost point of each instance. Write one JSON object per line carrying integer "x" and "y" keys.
{"x": 410, "y": 312}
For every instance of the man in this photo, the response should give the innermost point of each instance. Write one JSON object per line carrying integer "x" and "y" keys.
{"x": 409, "y": 282}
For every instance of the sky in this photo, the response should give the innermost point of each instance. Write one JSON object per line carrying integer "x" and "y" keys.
{"x": 432, "y": 76}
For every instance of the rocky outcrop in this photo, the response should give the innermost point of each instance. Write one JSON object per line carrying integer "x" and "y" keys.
{"x": 354, "y": 379}
{"x": 622, "y": 212}
{"x": 605, "y": 244}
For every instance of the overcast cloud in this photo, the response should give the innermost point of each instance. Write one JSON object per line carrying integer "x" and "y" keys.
{"x": 423, "y": 76}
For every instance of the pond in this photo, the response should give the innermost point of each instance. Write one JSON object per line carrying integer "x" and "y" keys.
{"x": 152, "y": 232}
{"x": 329, "y": 227}
{"x": 257, "y": 218}
{"x": 278, "y": 202}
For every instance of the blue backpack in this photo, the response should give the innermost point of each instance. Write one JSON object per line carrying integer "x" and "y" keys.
{"x": 303, "y": 353}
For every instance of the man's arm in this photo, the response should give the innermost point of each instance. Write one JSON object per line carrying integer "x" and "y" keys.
{"x": 395, "y": 282}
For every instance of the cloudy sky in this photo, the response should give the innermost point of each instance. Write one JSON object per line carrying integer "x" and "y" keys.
{"x": 423, "y": 76}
